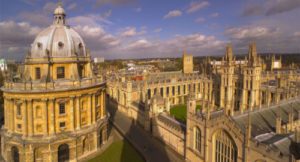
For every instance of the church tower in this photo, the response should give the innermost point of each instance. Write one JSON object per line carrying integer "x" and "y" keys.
{"x": 227, "y": 86}
{"x": 251, "y": 74}
{"x": 188, "y": 65}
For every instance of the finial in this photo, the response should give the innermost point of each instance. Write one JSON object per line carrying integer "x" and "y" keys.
{"x": 59, "y": 3}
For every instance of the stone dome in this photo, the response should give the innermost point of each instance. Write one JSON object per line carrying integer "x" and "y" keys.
{"x": 58, "y": 40}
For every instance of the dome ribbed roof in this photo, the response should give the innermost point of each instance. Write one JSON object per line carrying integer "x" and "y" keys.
{"x": 58, "y": 40}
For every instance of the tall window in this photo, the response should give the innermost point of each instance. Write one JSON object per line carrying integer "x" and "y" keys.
{"x": 197, "y": 139}
{"x": 225, "y": 148}
{"x": 19, "y": 113}
{"x": 38, "y": 112}
{"x": 60, "y": 72}
{"x": 81, "y": 71}
{"x": 62, "y": 108}
{"x": 37, "y": 73}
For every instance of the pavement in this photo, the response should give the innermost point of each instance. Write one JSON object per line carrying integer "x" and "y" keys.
{"x": 152, "y": 149}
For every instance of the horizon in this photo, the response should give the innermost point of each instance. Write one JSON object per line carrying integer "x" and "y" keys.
{"x": 130, "y": 29}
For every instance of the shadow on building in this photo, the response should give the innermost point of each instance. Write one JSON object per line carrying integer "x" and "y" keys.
{"x": 132, "y": 123}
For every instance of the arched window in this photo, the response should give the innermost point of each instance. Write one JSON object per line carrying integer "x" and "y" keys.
{"x": 100, "y": 137}
{"x": 63, "y": 153}
{"x": 37, "y": 155}
{"x": 15, "y": 154}
{"x": 197, "y": 139}
{"x": 225, "y": 148}
{"x": 84, "y": 145}
{"x": 80, "y": 47}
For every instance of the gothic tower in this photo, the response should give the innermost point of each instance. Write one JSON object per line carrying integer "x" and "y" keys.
{"x": 251, "y": 74}
{"x": 227, "y": 86}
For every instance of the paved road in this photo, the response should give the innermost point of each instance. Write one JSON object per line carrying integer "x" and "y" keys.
{"x": 152, "y": 149}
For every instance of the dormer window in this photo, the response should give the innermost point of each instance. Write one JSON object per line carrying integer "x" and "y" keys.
{"x": 80, "y": 47}
{"x": 39, "y": 45}
{"x": 60, "y": 72}
{"x": 37, "y": 73}
{"x": 60, "y": 45}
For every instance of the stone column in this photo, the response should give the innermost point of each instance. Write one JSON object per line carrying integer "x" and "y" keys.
{"x": 89, "y": 110}
{"x": 78, "y": 118}
{"x": 25, "y": 127}
{"x": 102, "y": 105}
{"x": 30, "y": 117}
{"x": 46, "y": 116}
{"x": 72, "y": 112}
{"x": 12, "y": 118}
{"x": 52, "y": 117}
{"x": 6, "y": 108}
{"x": 93, "y": 108}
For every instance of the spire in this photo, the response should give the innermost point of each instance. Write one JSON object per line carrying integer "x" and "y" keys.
{"x": 252, "y": 54}
{"x": 59, "y": 15}
{"x": 229, "y": 53}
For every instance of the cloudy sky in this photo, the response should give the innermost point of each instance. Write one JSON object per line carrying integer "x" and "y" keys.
{"x": 157, "y": 28}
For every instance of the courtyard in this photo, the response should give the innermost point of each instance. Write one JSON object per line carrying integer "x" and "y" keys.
{"x": 119, "y": 151}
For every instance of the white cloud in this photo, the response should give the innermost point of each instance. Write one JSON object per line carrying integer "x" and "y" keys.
{"x": 72, "y": 6}
{"x": 297, "y": 34}
{"x": 92, "y": 19}
{"x": 139, "y": 9}
{"x": 270, "y": 7}
{"x": 49, "y": 7}
{"x": 200, "y": 20}
{"x": 250, "y": 32}
{"x": 216, "y": 14}
{"x": 114, "y": 2}
{"x": 157, "y": 30}
{"x": 16, "y": 38}
{"x": 173, "y": 13}
{"x": 195, "y": 6}
{"x": 139, "y": 44}
{"x": 131, "y": 31}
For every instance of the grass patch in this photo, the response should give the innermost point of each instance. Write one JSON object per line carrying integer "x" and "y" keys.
{"x": 179, "y": 112}
{"x": 120, "y": 151}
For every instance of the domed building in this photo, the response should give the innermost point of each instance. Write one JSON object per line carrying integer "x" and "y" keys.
{"x": 56, "y": 111}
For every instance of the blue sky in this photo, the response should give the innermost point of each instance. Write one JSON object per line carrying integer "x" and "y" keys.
{"x": 156, "y": 28}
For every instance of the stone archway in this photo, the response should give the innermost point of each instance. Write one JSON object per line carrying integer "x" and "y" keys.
{"x": 15, "y": 154}
{"x": 37, "y": 155}
{"x": 84, "y": 145}
{"x": 100, "y": 137}
{"x": 63, "y": 153}
{"x": 225, "y": 148}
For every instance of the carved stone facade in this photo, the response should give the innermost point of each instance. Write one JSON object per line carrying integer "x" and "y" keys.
{"x": 228, "y": 92}
{"x": 56, "y": 112}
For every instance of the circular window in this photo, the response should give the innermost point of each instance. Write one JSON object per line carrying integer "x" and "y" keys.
{"x": 80, "y": 45}
{"x": 39, "y": 45}
{"x": 60, "y": 45}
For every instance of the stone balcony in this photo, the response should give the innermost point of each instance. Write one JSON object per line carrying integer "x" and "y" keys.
{"x": 58, "y": 85}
